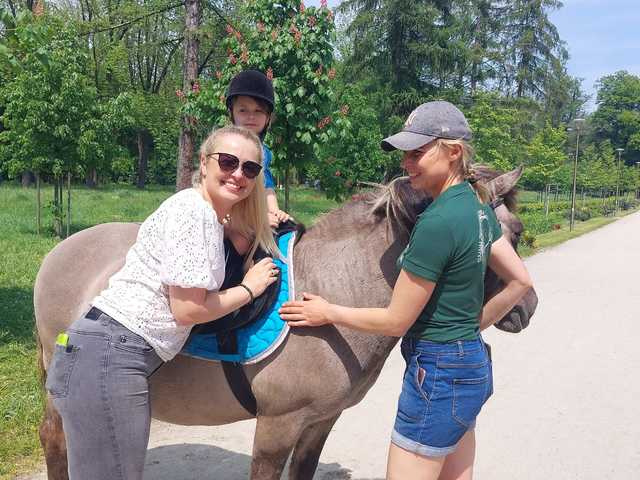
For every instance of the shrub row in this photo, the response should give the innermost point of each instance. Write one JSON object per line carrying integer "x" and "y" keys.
{"x": 536, "y": 222}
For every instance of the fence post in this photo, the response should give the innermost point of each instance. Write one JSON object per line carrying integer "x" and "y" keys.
{"x": 546, "y": 200}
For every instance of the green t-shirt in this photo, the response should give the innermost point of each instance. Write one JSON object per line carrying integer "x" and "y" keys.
{"x": 450, "y": 246}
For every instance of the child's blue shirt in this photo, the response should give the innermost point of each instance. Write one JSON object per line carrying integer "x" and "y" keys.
{"x": 268, "y": 176}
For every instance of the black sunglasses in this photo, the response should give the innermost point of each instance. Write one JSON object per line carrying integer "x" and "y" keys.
{"x": 229, "y": 163}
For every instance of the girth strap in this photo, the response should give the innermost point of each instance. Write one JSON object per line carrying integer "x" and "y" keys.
{"x": 240, "y": 386}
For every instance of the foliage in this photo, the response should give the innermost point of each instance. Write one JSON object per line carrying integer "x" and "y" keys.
{"x": 53, "y": 119}
{"x": 544, "y": 157}
{"x": 356, "y": 156}
{"x": 496, "y": 140}
{"x": 617, "y": 117}
{"x": 292, "y": 44}
{"x": 533, "y": 49}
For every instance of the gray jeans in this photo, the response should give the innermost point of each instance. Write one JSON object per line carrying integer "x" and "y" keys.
{"x": 99, "y": 384}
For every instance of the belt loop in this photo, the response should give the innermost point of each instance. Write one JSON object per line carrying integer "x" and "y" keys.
{"x": 460, "y": 349}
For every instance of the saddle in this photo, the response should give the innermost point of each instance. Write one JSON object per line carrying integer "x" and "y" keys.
{"x": 227, "y": 327}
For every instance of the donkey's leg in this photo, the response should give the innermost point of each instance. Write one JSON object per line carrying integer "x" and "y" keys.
{"x": 273, "y": 442}
{"x": 53, "y": 443}
{"x": 308, "y": 449}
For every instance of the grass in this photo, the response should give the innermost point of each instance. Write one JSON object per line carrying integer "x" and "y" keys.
{"x": 21, "y": 252}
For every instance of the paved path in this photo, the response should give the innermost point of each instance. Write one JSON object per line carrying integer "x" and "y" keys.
{"x": 567, "y": 402}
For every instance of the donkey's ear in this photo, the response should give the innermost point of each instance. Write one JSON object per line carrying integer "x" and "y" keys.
{"x": 503, "y": 184}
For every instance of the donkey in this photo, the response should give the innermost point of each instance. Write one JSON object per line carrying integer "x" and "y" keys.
{"x": 349, "y": 257}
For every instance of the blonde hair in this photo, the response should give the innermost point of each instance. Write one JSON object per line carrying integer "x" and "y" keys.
{"x": 465, "y": 166}
{"x": 249, "y": 217}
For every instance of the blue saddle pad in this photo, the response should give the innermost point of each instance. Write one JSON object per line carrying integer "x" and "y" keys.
{"x": 261, "y": 337}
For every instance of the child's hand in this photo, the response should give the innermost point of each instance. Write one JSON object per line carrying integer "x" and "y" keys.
{"x": 277, "y": 216}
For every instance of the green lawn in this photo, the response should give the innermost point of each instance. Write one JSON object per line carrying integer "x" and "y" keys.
{"x": 21, "y": 252}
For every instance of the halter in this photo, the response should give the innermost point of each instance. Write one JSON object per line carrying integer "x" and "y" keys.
{"x": 495, "y": 203}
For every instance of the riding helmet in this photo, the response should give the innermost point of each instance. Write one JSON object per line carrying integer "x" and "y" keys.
{"x": 251, "y": 83}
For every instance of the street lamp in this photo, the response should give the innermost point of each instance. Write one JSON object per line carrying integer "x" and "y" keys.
{"x": 619, "y": 150}
{"x": 578, "y": 123}
{"x": 638, "y": 180}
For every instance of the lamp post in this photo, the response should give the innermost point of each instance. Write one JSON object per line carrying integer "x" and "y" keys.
{"x": 638, "y": 180}
{"x": 619, "y": 150}
{"x": 578, "y": 122}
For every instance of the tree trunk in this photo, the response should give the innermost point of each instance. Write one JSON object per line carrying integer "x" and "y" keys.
{"x": 91, "y": 177}
{"x": 27, "y": 179}
{"x": 189, "y": 74}
{"x": 38, "y": 205}
{"x": 287, "y": 181}
{"x": 68, "y": 204}
{"x": 57, "y": 207}
{"x": 144, "y": 145}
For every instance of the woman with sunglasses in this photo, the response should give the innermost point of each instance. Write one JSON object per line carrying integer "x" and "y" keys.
{"x": 170, "y": 281}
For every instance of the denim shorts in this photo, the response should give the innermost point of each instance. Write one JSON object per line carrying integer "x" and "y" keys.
{"x": 444, "y": 387}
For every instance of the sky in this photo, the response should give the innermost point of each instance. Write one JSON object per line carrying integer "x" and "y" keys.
{"x": 602, "y": 37}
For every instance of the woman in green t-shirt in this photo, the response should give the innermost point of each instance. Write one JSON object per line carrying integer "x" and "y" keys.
{"x": 436, "y": 305}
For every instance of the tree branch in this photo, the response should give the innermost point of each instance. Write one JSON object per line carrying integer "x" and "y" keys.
{"x": 137, "y": 19}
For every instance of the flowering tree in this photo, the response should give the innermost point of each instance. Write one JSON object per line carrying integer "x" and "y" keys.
{"x": 292, "y": 44}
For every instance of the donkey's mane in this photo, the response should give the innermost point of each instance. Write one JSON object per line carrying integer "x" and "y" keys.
{"x": 395, "y": 202}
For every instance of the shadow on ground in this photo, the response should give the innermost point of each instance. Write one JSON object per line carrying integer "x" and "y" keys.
{"x": 198, "y": 462}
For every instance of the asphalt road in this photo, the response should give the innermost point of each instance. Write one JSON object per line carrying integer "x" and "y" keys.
{"x": 567, "y": 389}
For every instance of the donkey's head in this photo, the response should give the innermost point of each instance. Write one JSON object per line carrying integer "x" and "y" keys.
{"x": 502, "y": 193}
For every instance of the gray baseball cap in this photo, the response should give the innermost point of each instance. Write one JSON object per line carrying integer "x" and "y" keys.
{"x": 429, "y": 121}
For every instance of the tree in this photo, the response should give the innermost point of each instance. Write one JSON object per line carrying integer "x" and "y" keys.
{"x": 479, "y": 25}
{"x": 533, "y": 48}
{"x": 186, "y": 145}
{"x": 293, "y": 45}
{"x": 353, "y": 153}
{"x": 53, "y": 119}
{"x": 617, "y": 117}
{"x": 412, "y": 45}
{"x": 564, "y": 99}
{"x": 544, "y": 157}
{"x": 497, "y": 141}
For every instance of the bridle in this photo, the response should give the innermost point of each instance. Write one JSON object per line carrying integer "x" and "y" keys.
{"x": 497, "y": 202}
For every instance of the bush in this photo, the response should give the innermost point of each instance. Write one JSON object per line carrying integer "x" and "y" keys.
{"x": 608, "y": 210}
{"x": 626, "y": 204}
{"x": 582, "y": 214}
{"x": 528, "y": 239}
{"x": 537, "y": 223}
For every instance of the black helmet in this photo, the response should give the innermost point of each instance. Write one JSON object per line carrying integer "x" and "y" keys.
{"x": 251, "y": 83}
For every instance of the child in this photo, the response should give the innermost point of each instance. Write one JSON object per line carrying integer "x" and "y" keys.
{"x": 250, "y": 101}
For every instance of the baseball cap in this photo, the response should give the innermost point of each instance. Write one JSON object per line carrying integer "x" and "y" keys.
{"x": 429, "y": 121}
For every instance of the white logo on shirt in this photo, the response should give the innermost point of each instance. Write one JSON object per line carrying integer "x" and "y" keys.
{"x": 485, "y": 236}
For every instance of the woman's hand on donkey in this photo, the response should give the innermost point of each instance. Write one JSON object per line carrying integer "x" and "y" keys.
{"x": 312, "y": 311}
{"x": 260, "y": 276}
